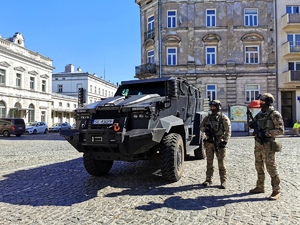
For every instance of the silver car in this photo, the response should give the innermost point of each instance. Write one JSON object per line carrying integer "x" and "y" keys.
{"x": 57, "y": 127}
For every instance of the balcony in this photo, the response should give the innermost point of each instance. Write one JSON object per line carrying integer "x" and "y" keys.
{"x": 291, "y": 22}
{"x": 146, "y": 70}
{"x": 150, "y": 34}
{"x": 291, "y": 77}
{"x": 291, "y": 50}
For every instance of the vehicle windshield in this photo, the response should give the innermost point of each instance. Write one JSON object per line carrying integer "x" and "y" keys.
{"x": 31, "y": 124}
{"x": 141, "y": 89}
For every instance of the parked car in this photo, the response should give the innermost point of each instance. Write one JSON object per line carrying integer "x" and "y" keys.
{"x": 73, "y": 126}
{"x": 10, "y": 126}
{"x": 36, "y": 127}
{"x": 57, "y": 127}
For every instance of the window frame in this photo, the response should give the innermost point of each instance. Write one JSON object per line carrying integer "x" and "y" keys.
{"x": 211, "y": 18}
{"x": 18, "y": 80}
{"x": 150, "y": 58}
{"x": 44, "y": 85}
{"x": 250, "y": 19}
{"x": 31, "y": 83}
{"x": 213, "y": 56}
{"x": 211, "y": 94}
{"x": 171, "y": 57}
{"x": 251, "y": 91}
{"x": 247, "y": 54}
{"x": 293, "y": 8}
{"x": 172, "y": 19}
{"x": 2, "y": 76}
{"x": 59, "y": 88}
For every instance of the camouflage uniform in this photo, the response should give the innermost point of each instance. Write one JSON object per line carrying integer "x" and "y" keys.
{"x": 220, "y": 126}
{"x": 271, "y": 123}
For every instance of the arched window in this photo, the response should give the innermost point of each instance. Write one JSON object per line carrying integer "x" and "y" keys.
{"x": 2, "y": 109}
{"x": 31, "y": 113}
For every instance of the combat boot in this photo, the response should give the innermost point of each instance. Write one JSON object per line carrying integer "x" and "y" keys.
{"x": 223, "y": 185}
{"x": 206, "y": 183}
{"x": 275, "y": 195}
{"x": 257, "y": 190}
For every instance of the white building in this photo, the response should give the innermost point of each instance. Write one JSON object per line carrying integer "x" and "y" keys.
{"x": 26, "y": 85}
{"x": 68, "y": 82}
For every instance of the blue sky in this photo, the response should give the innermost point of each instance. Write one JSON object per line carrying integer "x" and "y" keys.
{"x": 97, "y": 35}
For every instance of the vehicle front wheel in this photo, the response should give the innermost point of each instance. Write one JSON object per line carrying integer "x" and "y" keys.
{"x": 34, "y": 132}
{"x": 96, "y": 167}
{"x": 172, "y": 157}
{"x": 200, "y": 151}
{"x": 46, "y": 131}
{"x": 6, "y": 133}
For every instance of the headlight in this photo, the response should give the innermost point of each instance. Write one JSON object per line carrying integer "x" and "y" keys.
{"x": 140, "y": 115}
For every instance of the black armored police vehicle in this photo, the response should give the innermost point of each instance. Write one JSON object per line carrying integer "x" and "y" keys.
{"x": 144, "y": 118}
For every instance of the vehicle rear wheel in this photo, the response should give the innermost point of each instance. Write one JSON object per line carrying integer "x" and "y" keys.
{"x": 200, "y": 152}
{"x": 96, "y": 167}
{"x": 6, "y": 133}
{"x": 46, "y": 131}
{"x": 172, "y": 157}
{"x": 34, "y": 132}
{"x": 18, "y": 135}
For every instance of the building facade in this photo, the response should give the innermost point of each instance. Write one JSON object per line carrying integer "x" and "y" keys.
{"x": 225, "y": 47}
{"x": 69, "y": 81}
{"x": 26, "y": 85}
{"x": 288, "y": 59}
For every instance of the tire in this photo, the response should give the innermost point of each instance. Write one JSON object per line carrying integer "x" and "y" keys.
{"x": 46, "y": 131}
{"x": 6, "y": 133}
{"x": 200, "y": 152}
{"x": 34, "y": 132}
{"x": 96, "y": 167}
{"x": 18, "y": 135}
{"x": 172, "y": 157}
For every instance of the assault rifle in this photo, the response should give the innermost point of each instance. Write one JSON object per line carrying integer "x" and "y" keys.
{"x": 259, "y": 133}
{"x": 211, "y": 136}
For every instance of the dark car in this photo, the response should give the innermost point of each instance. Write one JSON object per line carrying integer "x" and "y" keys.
{"x": 15, "y": 126}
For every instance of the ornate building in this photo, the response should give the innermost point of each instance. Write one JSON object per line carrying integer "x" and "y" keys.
{"x": 226, "y": 48}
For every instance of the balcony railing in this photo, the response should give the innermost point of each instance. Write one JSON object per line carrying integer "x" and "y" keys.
{"x": 150, "y": 34}
{"x": 290, "y": 21}
{"x": 291, "y": 76}
{"x": 291, "y": 49}
{"x": 149, "y": 68}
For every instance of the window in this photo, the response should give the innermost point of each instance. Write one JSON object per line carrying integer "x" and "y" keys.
{"x": 171, "y": 56}
{"x": 171, "y": 19}
{"x": 99, "y": 91}
{"x": 294, "y": 66}
{"x": 211, "y": 92}
{"x": 31, "y": 113}
{"x": 294, "y": 41}
{"x": 31, "y": 85}
{"x": 18, "y": 80}
{"x": 68, "y": 105}
{"x": 91, "y": 88}
{"x": 150, "y": 27}
{"x": 43, "y": 86}
{"x": 252, "y": 91}
{"x": 2, "y": 76}
{"x": 75, "y": 105}
{"x": 105, "y": 92}
{"x": 210, "y": 53}
{"x": 210, "y": 17}
{"x": 292, "y": 9}
{"x": 43, "y": 115}
{"x": 60, "y": 88}
{"x": 95, "y": 89}
{"x": 251, "y": 17}
{"x": 150, "y": 56}
{"x": 251, "y": 55}
{"x": 2, "y": 109}
{"x": 60, "y": 104}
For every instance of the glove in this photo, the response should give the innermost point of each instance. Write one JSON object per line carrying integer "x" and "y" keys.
{"x": 251, "y": 125}
{"x": 222, "y": 144}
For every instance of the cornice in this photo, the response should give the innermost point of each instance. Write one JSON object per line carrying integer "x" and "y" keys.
{"x": 20, "y": 68}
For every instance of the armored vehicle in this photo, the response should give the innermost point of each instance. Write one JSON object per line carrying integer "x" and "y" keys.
{"x": 144, "y": 118}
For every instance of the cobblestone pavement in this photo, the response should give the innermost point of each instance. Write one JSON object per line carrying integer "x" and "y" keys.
{"x": 43, "y": 181}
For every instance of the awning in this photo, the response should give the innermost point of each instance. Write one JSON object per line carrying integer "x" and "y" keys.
{"x": 24, "y": 109}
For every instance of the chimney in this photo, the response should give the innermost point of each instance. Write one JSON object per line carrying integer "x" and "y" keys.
{"x": 69, "y": 68}
{"x": 79, "y": 69}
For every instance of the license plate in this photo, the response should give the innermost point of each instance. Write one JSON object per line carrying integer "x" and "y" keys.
{"x": 103, "y": 121}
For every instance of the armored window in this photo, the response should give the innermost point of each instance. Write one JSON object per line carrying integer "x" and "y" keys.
{"x": 210, "y": 53}
{"x": 43, "y": 86}
{"x": 60, "y": 88}
{"x": 18, "y": 80}
{"x": 211, "y": 91}
{"x": 210, "y": 17}
{"x": 251, "y": 54}
{"x": 31, "y": 84}
{"x": 2, "y": 76}
{"x": 252, "y": 91}
{"x": 171, "y": 19}
{"x": 171, "y": 56}
{"x": 150, "y": 56}
{"x": 292, "y": 9}
{"x": 251, "y": 17}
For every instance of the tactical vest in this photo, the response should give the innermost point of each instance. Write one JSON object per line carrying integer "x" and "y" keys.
{"x": 264, "y": 121}
{"x": 216, "y": 123}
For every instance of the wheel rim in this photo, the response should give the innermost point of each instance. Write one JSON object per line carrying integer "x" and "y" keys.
{"x": 179, "y": 158}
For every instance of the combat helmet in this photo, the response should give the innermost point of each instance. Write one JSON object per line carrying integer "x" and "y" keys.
{"x": 267, "y": 98}
{"x": 215, "y": 103}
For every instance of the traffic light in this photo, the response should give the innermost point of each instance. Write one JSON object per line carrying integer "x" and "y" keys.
{"x": 81, "y": 96}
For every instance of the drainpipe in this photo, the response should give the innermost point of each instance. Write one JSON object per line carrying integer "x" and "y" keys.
{"x": 276, "y": 58}
{"x": 159, "y": 38}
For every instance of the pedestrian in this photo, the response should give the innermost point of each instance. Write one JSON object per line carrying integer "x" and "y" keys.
{"x": 296, "y": 127}
{"x": 216, "y": 128}
{"x": 267, "y": 124}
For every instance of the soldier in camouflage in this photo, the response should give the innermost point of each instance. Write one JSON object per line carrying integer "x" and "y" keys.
{"x": 270, "y": 123}
{"x": 217, "y": 130}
